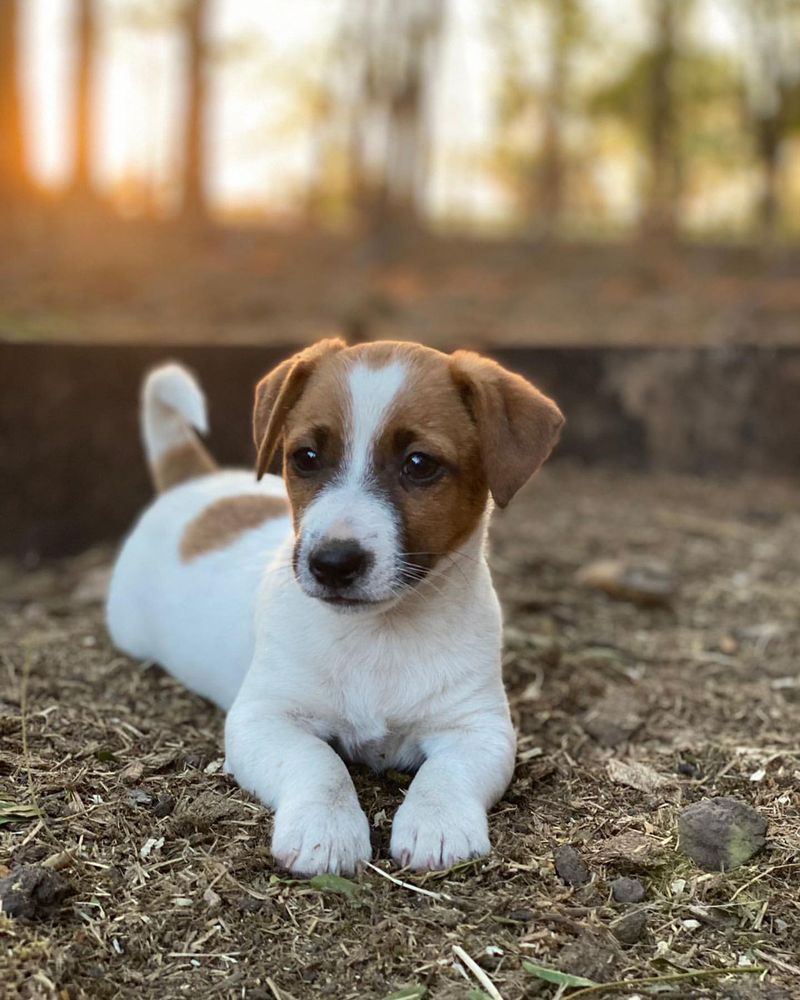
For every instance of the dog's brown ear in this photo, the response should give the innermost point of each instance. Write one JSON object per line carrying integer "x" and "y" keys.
{"x": 518, "y": 426}
{"x": 278, "y": 392}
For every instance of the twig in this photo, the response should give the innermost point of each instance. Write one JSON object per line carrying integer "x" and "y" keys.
{"x": 274, "y": 989}
{"x": 676, "y": 977}
{"x": 761, "y": 875}
{"x": 408, "y": 885}
{"x": 779, "y": 962}
{"x": 477, "y": 972}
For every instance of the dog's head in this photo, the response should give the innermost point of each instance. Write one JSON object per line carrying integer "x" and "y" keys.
{"x": 391, "y": 451}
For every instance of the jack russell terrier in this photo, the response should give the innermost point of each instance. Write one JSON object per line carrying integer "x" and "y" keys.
{"x": 344, "y": 612}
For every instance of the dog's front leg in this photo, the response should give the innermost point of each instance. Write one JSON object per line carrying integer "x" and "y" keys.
{"x": 319, "y": 825}
{"x": 443, "y": 817}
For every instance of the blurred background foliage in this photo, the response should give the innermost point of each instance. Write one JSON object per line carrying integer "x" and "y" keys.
{"x": 539, "y": 122}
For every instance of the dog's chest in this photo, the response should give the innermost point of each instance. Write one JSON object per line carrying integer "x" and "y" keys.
{"x": 373, "y": 727}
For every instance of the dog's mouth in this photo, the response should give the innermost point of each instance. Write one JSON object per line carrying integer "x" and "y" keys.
{"x": 350, "y": 603}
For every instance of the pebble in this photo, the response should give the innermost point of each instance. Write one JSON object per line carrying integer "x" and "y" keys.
{"x": 627, "y": 890}
{"x": 721, "y": 833}
{"x": 570, "y": 865}
{"x": 163, "y": 806}
{"x": 631, "y": 927}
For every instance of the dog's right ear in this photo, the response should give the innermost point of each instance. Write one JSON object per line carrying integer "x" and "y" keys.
{"x": 278, "y": 392}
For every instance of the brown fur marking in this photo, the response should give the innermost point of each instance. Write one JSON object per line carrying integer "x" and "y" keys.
{"x": 186, "y": 461}
{"x": 224, "y": 520}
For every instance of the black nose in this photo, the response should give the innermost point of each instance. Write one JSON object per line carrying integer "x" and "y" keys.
{"x": 337, "y": 564}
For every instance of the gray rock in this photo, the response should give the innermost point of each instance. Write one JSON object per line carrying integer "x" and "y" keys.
{"x": 32, "y": 891}
{"x": 570, "y": 865}
{"x": 630, "y": 928}
{"x": 627, "y": 890}
{"x": 721, "y": 833}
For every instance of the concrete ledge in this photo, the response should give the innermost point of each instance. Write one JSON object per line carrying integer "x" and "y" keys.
{"x": 73, "y": 473}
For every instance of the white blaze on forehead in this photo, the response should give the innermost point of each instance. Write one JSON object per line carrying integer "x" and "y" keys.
{"x": 372, "y": 392}
{"x": 346, "y": 507}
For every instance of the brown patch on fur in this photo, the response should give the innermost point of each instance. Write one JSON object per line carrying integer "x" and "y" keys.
{"x": 179, "y": 464}
{"x": 224, "y": 520}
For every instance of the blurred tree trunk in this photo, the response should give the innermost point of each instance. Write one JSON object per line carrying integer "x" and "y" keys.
{"x": 663, "y": 185}
{"x": 563, "y": 16}
{"x": 194, "y": 204}
{"x": 14, "y": 183}
{"x": 773, "y": 36}
{"x": 396, "y": 50}
{"x": 85, "y": 41}
{"x": 768, "y": 134}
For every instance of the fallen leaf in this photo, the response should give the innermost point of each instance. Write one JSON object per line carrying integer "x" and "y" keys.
{"x": 554, "y": 976}
{"x": 335, "y": 883}
{"x": 638, "y": 776}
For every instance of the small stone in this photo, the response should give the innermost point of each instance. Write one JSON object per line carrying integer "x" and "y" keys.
{"x": 630, "y": 928}
{"x": 163, "y": 806}
{"x": 570, "y": 865}
{"x": 721, "y": 833}
{"x": 139, "y": 797}
{"x": 689, "y": 768}
{"x": 211, "y": 898}
{"x": 627, "y": 890}
{"x": 32, "y": 891}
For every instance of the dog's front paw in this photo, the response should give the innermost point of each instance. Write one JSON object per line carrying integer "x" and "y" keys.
{"x": 310, "y": 839}
{"x": 428, "y": 835}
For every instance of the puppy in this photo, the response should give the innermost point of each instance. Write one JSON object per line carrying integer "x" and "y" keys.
{"x": 346, "y": 611}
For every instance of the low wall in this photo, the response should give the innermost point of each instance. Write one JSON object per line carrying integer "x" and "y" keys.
{"x": 72, "y": 471}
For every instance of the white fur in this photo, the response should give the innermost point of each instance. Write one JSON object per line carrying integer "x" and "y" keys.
{"x": 348, "y": 509}
{"x": 172, "y": 403}
{"x": 416, "y": 684}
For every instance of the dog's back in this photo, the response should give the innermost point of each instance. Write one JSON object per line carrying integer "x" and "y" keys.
{"x": 184, "y": 586}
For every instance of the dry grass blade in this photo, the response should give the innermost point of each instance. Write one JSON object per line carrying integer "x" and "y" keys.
{"x": 674, "y": 977}
{"x": 408, "y": 885}
{"x": 477, "y": 972}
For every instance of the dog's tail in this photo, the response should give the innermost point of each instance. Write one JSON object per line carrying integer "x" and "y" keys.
{"x": 172, "y": 408}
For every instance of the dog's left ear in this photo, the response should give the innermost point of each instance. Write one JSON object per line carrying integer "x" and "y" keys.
{"x": 278, "y": 392}
{"x": 518, "y": 426}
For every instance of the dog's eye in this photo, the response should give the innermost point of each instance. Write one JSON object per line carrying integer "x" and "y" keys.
{"x": 306, "y": 461}
{"x": 421, "y": 469}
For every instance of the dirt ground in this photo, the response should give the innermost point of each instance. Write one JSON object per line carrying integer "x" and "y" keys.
{"x": 158, "y": 880}
{"x": 94, "y": 278}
